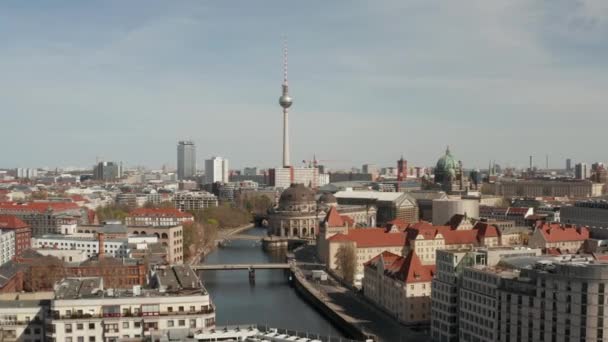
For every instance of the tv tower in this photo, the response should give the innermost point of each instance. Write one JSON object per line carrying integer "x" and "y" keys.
{"x": 285, "y": 101}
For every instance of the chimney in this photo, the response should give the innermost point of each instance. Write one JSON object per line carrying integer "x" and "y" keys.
{"x": 101, "y": 240}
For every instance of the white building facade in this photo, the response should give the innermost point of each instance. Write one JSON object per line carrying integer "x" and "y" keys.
{"x": 216, "y": 170}
{"x": 7, "y": 245}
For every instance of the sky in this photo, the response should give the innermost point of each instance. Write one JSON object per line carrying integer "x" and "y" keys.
{"x": 371, "y": 81}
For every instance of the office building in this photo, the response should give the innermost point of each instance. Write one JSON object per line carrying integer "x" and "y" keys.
{"x": 45, "y": 217}
{"x": 216, "y": 170}
{"x": 582, "y": 171}
{"x": 372, "y": 170}
{"x": 27, "y": 173}
{"x": 544, "y": 188}
{"x": 389, "y": 205}
{"x": 107, "y": 171}
{"x": 186, "y": 159}
{"x": 285, "y": 176}
{"x": 194, "y": 200}
{"x": 568, "y": 164}
{"x": 250, "y": 171}
{"x": 590, "y": 213}
{"x": 446, "y": 295}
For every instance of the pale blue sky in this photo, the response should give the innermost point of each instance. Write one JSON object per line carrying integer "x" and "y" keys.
{"x": 371, "y": 80}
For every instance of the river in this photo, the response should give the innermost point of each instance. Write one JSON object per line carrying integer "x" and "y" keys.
{"x": 270, "y": 301}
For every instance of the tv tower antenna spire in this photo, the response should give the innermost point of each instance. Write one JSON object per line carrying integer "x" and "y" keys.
{"x": 285, "y": 101}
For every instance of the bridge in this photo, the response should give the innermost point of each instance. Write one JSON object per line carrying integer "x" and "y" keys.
{"x": 244, "y": 237}
{"x": 231, "y": 267}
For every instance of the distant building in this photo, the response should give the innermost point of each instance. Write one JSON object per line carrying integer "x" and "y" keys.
{"x": 568, "y": 164}
{"x": 46, "y": 217}
{"x": 371, "y": 169}
{"x": 582, "y": 171}
{"x": 591, "y": 213}
{"x": 449, "y": 175}
{"x": 186, "y": 159}
{"x": 283, "y": 177}
{"x": 250, "y": 171}
{"x": 107, "y": 171}
{"x": 127, "y": 199}
{"x": 519, "y": 215}
{"x": 216, "y": 170}
{"x": 157, "y": 217}
{"x": 335, "y": 177}
{"x": 23, "y": 232}
{"x": 27, "y": 173}
{"x": 7, "y": 245}
{"x": 389, "y": 205}
{"x": 445, "y": 209}
{"x": 544, "y": 188}
{"x": 194, "y": 200}
{"x": 557, "y": 237}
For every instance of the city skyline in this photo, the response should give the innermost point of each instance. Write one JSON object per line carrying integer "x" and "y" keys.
{"x": 132, "y": 79}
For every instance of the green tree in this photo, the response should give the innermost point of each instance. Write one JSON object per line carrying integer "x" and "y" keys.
{"x": 346, "y": 262}
{"x": 112, "y": 212}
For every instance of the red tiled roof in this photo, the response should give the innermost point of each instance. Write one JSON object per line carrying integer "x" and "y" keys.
{"x": 451, "y": 236}
{"x": 485, "y": 230}
{"x": 156, "y": 212}
{"x": 39, "y": 206}
{"x": 371, "y": 237}
{"x": 349, "y": 220}
{"x": 554, "y": 232}
{"x": 408, "y": 269}
{"x": 333, "y": 218}
{"x": 79, "y": 198}
{"x": 11, "y": 222}
{"x": 91, "y": 215}
{"x": 401, "y": 224}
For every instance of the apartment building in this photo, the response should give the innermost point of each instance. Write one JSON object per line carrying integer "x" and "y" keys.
{"x": 22, "y": 231}
{"x": 7, "y": 245}
{"x": 194, "y": 200}
{"x": 558, "y": 237}
{"x": 158, "y": 217}
{"x": 45, "y": 217}
{"x": 401, "y": 286}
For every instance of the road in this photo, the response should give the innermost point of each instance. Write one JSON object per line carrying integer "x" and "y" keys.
{"x": 351, "y": 304}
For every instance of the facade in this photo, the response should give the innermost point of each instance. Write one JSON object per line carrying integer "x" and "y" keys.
{"x": 216, "y": 170}
{"x": 283, "y": 177}
{"x": 389, "y": 205}
{"x": 171, "y": 238}
{"x": 107, "y": 171}
{"x": 186, "y": 159}
{"x": 7, "y": 245}
{"x": 157, "y": 217}
{"x": 296, "y": 214}
{"x": 400, "y": 285}
{"x": 27, "y": 173}
{"x": 117, "y": 247}
{"x": 518, "y": 215}
{"x": 23, "y": 319}
{"x": 545, "y": 188}
{"x": 582, "y": 171}
{"x": 23, "y": 232}
{"x": 84, "y": 309}
{"x": 127, "y": 199}
{"x": 562, "y": 238}
{"x": 424, "y": 200}
{"x": 45, "y": 217}
{"x": 194, "y": 200}
{"x": 591, "y": 213}
{"x": 529, "y": 299}
{"x": 445, "y": 209}
{"x": 446, "y": 295}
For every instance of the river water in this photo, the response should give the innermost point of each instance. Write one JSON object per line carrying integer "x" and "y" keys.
{"x": 270, "y": 301}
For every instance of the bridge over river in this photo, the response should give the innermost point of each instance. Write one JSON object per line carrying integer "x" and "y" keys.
{"x": 230, "y": 267}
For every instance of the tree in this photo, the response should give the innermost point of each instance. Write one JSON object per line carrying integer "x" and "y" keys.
{"x": 224, "y": 215}
{"x": 161, "y": 205}
{"x": 112, "y": 212}
{"x": 346, "y": 262}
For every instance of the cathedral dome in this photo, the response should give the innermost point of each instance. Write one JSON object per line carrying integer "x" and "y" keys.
{"x": 296, "y": 194}
{"x": 446, "y": 164}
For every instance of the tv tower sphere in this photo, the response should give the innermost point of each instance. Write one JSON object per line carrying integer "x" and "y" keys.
{"x": 285, "y": 101}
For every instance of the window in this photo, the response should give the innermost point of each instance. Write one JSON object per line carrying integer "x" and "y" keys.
{"x": 80, "y": 339}
{"x": 181, "y": 309}
{"x": 192, "y": 308}
{"x": 79, "y": 326}
{"x": 37, "y": 331}
{"x": 181, "y": 323}
{"x": 125, "y": 325}
{"x": 68, "y": 328}
{"x": 137, "y": 324}
{"x": 91, "y": 338}
{"x": 92, "y": 326}
{"x": 170, "y": 323}
{"x": 193, "y": 323}
{"x": 26, "y": 331}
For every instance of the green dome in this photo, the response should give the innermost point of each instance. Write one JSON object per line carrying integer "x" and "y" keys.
{"x": 446, "y": 163}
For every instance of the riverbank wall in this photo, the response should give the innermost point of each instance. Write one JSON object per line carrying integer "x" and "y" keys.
{"x": 224, "y": 234}
{"x": 315, "y": 298}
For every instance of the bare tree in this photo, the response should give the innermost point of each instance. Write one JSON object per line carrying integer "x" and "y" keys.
{"x": 346, "y": 262}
